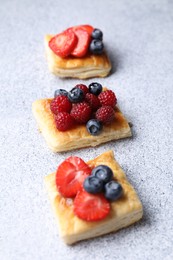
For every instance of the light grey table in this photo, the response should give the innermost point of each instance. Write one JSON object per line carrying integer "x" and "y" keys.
{"x": 139, "y": 38}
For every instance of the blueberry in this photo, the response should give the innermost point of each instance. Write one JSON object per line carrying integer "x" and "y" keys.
{"x": 103, "y": 173}
{"x": 95, "y": 88}
{"x": 60, "y": 92}
{"x": 76, "y": 95}
{"x": 93, "y": 185}
{"x": 94, "y": 127}
{"x": 96, "y": 46}
{"x": 113, "y": 190}
{"x": 97, "y": 34}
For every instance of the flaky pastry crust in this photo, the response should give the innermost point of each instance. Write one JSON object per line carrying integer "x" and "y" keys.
{"x": 124, "y": 212}
{"x": 82, "y": 68}
{"x": 59, "y": 141}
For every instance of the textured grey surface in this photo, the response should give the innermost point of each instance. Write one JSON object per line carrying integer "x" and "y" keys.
{"x": 139, "y": 38}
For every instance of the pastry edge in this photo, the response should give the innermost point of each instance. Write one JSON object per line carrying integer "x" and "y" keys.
{"x": 94, "y": 143}
{"x": 62, "y": 73}
{"x": 106, "y": 228}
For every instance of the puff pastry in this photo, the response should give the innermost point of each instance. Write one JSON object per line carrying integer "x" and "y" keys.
{"x": 82, "y": 68}
{"x": 124, "y": 212}
{"x": 63, "y": 141}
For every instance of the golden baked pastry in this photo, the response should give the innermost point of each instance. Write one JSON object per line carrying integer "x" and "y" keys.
{"x": 124, "y": 212}
{"x": 86, "y": 67}
{"x": 63, "y": 141}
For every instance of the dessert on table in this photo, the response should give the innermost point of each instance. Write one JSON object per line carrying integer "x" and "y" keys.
{"x": 91, "y": 199}
{"x": 82, "y": 117}
{"x": 77, "y": 52}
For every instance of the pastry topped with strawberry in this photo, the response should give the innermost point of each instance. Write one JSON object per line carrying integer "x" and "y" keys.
{"x": 77, "y": 52}
{"x": 91, "y": 199}
{"x": 86, "y": 113}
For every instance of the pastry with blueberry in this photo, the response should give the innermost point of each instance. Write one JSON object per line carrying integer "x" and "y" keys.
{"x": 82, "y": 117}
{"x": 91, "y": 199}
{"x": 77, "y": 52}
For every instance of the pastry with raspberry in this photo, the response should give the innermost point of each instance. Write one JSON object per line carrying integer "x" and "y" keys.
{"x": 84, "y": 116}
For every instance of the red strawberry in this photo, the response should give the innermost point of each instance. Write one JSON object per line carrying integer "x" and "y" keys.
{"x": 91, "y": 207}
{"x": 83, "y": 87}
{"x": 86, "y": 27}
{"x": 70, "y": 176}
{"x": 105, "y": 114}
{"x": 64, "y": 121}
{"x": 60, "y": 104}
{"x": 83, "y": 42}
{"x": 63, "y": 44}
{"x": 107, "y": 98}
{"x": 93, "y": 101}
{"x": 81, "y": 112}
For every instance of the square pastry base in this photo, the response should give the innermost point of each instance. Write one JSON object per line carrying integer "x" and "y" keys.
{"x": 82, "y": 68}
{"x": 77, "y": 137}
{"x": 124, "y": 212}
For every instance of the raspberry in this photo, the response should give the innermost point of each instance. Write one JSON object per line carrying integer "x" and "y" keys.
{"x": 81, "y": 112}
{"x": 107, "y": 98}
{"x": 105, "y": 114}
{"x": 83, "y": 87}
{"x": 64, "y": 121}
{"x": 60, "y": 104}
{"x": 93, "y": 101}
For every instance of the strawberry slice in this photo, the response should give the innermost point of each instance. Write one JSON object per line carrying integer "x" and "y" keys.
{"x": 70, "y": 176}
{"x": 88, "y": 28}
{"x": 83, "y": 42}
{"x": 62, "y": 44}
{"x": 85, "y": 27}
{"x": 91, "y": 207}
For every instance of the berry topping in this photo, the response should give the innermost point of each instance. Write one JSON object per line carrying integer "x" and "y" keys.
{"x": 64, "y": 121}
{"x": 70, "y": 176}
{"x": 95, "y": 88}
{"x": 83, "y": 87}
{"x": 103, "y": 172}
{"x": 63, "y": 44}
{"x": 87, "y": 27}
{"x": 76, "y": 95}
{"x": 94, "y": 127}
{"x": 91, "y": 207}
{"x": 105, "y": 114}
{"x": 93, "y": 101}
{"x": 113, "y": 190}
{"x": 97, "y": 34}
{"x": 93, "y": 185}
{"x": 60, "y": 92}
{"x": 96, "y": 46}
{"x": 83, "y": 42}
{"x": 108, "y": 98}
{"x": 86, "y": 105}
{"x": 81, "y": 112}
{"x": 60, "y": 104}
